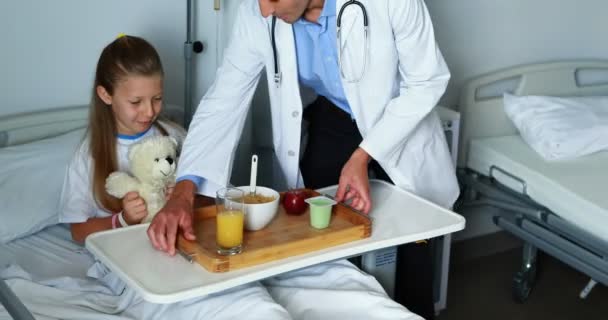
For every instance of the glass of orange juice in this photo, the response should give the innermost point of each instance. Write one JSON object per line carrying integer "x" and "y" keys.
{"x": 229, "y": 220}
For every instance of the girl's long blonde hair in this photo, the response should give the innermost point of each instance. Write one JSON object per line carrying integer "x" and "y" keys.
{"x": 125, "y": 56}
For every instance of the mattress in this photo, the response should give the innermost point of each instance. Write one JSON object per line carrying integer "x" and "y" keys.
{"x": 49, "y": 253}
{"x": 574, "y": 189}
{"x": 60, "y": 289}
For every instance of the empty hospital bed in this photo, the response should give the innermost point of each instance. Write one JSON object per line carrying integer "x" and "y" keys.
{"x": 558, "y": 207}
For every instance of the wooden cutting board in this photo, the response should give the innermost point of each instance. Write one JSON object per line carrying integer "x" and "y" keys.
{"x": 285, "y": 236}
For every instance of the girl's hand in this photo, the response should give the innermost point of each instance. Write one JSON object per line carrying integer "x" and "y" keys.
{"x": 133, "y": 208}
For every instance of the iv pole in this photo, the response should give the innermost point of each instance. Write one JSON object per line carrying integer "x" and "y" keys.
{"x": 189, "y": 47}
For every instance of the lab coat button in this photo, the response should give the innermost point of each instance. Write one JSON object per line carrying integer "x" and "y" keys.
{"x": 295, "y": 114}
{"x": 291, "y": 153}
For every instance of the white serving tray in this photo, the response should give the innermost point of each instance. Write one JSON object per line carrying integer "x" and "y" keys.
{"x": 398, "y": 217}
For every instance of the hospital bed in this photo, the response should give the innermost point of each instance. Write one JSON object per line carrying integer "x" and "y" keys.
{"x": 51, "y": 254}
{"x": 560, "y": 208}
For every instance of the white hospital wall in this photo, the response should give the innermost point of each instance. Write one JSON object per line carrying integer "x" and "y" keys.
{"x": 50, "y": 48}
{"x": 479, "y": 36}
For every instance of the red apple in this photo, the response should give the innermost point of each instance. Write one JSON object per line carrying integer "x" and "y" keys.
{"x": 294, "y": 203}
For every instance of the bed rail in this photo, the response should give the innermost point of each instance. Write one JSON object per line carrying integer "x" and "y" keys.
{"x": 12, "y": 304}
{"x": 539, "y": 228}
{"x": 27, "y": 127}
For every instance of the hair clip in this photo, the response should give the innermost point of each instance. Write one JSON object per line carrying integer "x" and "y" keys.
{"x": 120, "y": 35}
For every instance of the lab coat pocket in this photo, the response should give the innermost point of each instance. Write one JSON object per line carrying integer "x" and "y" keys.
{"x": 353, "y": 51}
{"x": 411, "y": 160}
{"x": 410, "y": 174}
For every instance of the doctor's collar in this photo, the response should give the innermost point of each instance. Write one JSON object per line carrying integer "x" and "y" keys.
{"x": 329, "y": 10}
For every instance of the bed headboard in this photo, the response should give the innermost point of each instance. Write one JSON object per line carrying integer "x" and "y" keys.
{"x": 31, "y": 126}
{"x": 26, "y": 127}
{"x": 481, "y": 107}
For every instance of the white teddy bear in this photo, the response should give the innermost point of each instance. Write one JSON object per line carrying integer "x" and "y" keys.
{"x": 153, "y": 163}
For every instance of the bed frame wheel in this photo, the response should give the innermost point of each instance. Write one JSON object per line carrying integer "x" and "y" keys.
{"x": 523, "y": 281}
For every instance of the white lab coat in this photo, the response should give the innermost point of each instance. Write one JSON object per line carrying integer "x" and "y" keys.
{"x": 392, "y": 105}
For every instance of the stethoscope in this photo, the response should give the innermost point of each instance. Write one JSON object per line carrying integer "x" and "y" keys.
{"x": 277, "y": 73}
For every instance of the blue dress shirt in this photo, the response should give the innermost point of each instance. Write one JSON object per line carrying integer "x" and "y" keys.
{"x": 318, "y": 58}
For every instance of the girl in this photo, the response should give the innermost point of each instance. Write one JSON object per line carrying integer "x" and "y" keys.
{"x": 127, "y": 100}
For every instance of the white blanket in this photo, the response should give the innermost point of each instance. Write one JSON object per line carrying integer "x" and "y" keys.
{"x": 332, "y": 290}
{"x": 108, "y": 298}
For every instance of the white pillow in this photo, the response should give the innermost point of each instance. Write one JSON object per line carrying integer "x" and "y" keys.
{"x": 560, "y": 128}
{"x": 31, "y": 178}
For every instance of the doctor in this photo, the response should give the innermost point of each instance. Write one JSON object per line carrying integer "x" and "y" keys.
{"x": 377, "y": 89}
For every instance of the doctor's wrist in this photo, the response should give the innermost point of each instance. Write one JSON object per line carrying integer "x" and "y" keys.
{"x": 185, "y": 190}
{"x": 361, "y": 156}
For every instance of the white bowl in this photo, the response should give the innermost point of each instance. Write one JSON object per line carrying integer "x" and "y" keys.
{"x": 259, "y": 215}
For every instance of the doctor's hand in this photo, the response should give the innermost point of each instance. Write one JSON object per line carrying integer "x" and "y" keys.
{"x": 354, "y": 182}
{"x": 175, "y": 216}
{"x": 169, "y": 192}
